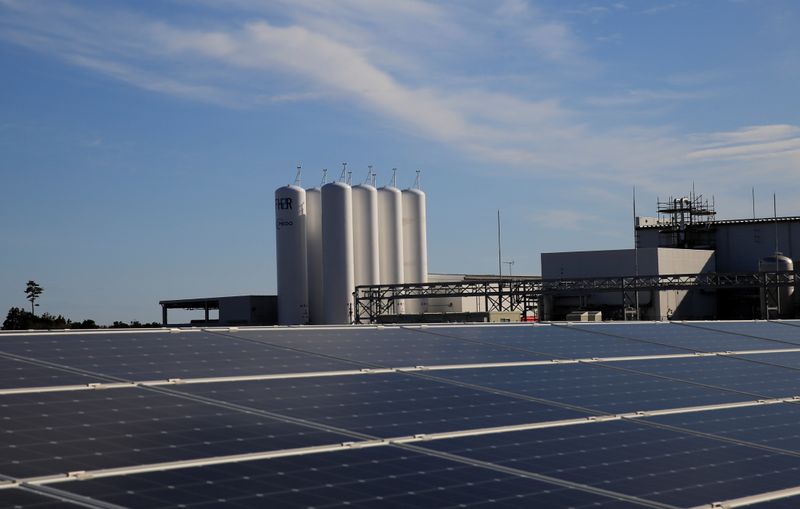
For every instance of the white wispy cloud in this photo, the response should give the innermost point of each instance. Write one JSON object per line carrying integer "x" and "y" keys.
{"x": 398, "y": 61}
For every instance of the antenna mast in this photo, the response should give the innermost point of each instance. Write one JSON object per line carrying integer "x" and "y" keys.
{"x": 324, "y": 176}
{"x": 393, "y": 182}
{"x": 417, "y": 182}
{"x": 344, "y": 173}
{"x": 298, "y": 181}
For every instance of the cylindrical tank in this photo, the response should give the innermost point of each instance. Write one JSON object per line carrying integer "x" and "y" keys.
{"x": 415, "y": 244}
{"x": 314, "y": 249}
{"x": 365, "y": 235}
{"x": 776, "y": 301}
{"x": 337, "y": 249}
{"x": 290, "y": 244}
{"x": 390, "y": 239}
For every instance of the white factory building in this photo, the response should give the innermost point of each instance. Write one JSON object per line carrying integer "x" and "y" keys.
{"x": 332, "y": 238}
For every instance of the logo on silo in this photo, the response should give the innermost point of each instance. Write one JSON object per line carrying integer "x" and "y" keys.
{"x": 283, "y": 203}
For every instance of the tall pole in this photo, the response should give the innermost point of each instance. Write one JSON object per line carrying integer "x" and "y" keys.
{"x": 777, "y": 284}
{"x": 499, "y": 263}
{"x": 635, "y": 255}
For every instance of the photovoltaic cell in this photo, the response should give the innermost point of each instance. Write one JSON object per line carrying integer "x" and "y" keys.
{"x": 656, "y": 464}
{"x": 14, "y": 373}
{"x": 51, "y": 433}
{"x": 772, "y": 425}
{"x": 556, "y": 341}
{"x": 383, "y": 405}
{"x": 381, "y": 477}
{"x": 156, "y": 355}
{"x": 390, "y": 347}
{"x": 683, "y": 336}
{"x": 593, "y": 387}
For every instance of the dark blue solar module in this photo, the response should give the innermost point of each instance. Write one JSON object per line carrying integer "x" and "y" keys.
{"x": 593, "y": 387}
{"x": 683, "y": 336}
{"x": 774, "y": 425}
{"x": 383, "y": 405}
{"x": 161, "y": 355}
{"x": 788, "y": 332}
{"x": 389, "y": 347}
{"x": 15, "y": 498}
{"x": 58, "y": 432}
{"x": 553, "y": 341}
{"x": 382, "y": 477}
{"x": 788, "y": 359}
{"x": 735, "y": 374}
{"x": 626, "y": 457}
{"x": 15, "y": 373}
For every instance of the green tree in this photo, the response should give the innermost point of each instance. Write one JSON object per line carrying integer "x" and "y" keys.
{"x": 32, "y": 292}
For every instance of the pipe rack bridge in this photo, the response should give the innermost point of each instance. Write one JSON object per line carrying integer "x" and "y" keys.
{"x": 509, "y": 294}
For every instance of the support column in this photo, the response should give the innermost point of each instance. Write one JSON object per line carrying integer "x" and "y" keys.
{"x": 164, "y": 315}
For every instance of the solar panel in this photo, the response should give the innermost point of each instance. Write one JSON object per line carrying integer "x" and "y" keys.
{"x": 602, "y": 415}
{"x": 558, "y": 341}
{"x": 773, "y": 425}
{"x": 788, "y": 359}
{"x": 756, "y": 378}
{"x": 625, "y": 457}
{"x": 16, "y": 373}
{"x": 68, "y": 431}
{"x": 383, "y": 477}
{"x": 391, "y": 346}
{"x": 784, "y": 331}
{"x": 594, "y": 387}
{"x": 684, "y": 336}
{"x": 20, "y": 499}
{"x": 151, "y": 355}
{"x": 384, "y": 405}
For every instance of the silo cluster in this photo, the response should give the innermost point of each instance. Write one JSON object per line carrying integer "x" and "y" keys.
{"x": 332, "y": 238}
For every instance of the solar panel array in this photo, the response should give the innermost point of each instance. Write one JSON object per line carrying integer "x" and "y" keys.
{"x": 630, "y": 415}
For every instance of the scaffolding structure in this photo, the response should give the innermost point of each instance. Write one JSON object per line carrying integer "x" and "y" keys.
{"x": 688, "y": 221}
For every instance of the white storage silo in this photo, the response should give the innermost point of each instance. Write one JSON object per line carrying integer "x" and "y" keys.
{"x": 415, "y": 244}
{"x": 314, "y": 250}
{"x": 290, "y": 237}
{"x": 390, "y": 238}
{"x": 365, "y": 235}
{"x": 337, "y": 249}
{"x": 776, "y": 302}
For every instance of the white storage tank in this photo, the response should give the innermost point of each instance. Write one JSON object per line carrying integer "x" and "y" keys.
{"x": 390, "y": 238}
{"x": 415, "y": 244}
{"x": 290, "y": 243}
{"x": 776, "y": 302}
{"x": 314, "y": 250}
{"x": 365, "y": 235}
{"x": 337, "y": 248}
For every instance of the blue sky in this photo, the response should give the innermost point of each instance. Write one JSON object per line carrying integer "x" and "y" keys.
{"x": 141, "y": 142}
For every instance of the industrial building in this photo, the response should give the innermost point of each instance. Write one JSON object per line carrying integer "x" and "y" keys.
{"x": 686, "y": 238}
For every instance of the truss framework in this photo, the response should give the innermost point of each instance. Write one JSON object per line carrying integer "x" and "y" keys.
{"x": 372, "y": 301}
